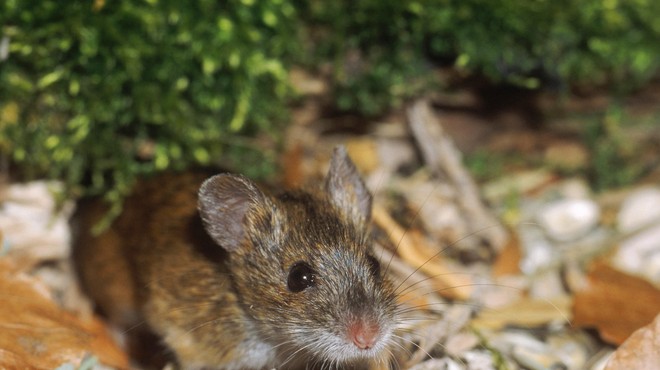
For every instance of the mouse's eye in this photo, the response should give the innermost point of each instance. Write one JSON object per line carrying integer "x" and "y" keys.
{"x": 374, "y": 265}
{"x": 301, "y": 277}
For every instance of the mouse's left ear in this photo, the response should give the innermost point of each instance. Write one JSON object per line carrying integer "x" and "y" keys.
{"x": 346, "y": 189}
{"x": 228, "y": 205}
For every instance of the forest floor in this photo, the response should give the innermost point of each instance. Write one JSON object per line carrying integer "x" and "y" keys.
{"x": 530, "y": 223}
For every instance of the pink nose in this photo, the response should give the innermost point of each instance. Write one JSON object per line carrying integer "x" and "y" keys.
{"x": 363, "y": 335}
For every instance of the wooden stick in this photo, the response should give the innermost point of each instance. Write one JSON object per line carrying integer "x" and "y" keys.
{"x": 444, "y": 160}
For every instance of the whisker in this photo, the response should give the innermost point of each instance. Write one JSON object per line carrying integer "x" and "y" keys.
{"x": 433, "y": 278}
{"x": 414, "y": 219}
{"x": 476, "y": 232}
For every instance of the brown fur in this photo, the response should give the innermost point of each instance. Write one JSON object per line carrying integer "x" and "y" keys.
{"x": 214, "y": 287}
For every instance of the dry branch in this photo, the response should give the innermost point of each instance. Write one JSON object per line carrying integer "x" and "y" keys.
{"x": 444, "y": 160}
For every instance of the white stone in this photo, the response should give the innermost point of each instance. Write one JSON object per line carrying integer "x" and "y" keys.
{"x": 547, "y": 285}
{"x": 479, "y": 360}
{"x": 538, "y": 256}
{"x": 535, "y": 359}
{"x": 640, "y": 254}
{"x": 639, "y": 209}
{"x": 571, "y": 349}
{"x": 569, "y": 219}
{"x": 538, "y": 252}
{"x": 460, "y": 343}
{"x": 575, "y": 188}
{"x": 29, "y": 221}
{"x": 438, "y": 363}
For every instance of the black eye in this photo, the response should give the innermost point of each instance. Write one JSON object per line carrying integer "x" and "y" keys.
{"x": 374, "y": 265}
{"x": 301, "y": 277}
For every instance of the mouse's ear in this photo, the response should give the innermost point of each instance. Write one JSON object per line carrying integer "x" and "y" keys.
{"x": 347, "y": 191}
{"x": 224, "y": 202}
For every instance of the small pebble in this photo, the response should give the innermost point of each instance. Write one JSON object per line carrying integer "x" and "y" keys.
{"x": 639, "y": 209}
{"x": 30, "y": 222}
{"x": 547, "y": 284}
{"x": 640, "y": 254}
{"x": 571, "y": 349}
{"x": 569, "y": 219}
{"x": 460, "y": 343}
{"x": 574, "y": 188}
{"x": 438, "y": 364}
{"x": 506, "y": 340}
{"x": 539, "y": 252}
{"x": 479, "y": 360}
{"x": 528, "y": 351}
{"x": 537, "y": 360}
{"x": 600, "y": 360}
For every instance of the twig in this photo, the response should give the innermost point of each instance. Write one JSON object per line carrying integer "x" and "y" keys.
{"x": 444, "y": 160}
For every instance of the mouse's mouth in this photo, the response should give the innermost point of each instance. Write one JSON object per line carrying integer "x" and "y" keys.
{"x": 359, "y": 340}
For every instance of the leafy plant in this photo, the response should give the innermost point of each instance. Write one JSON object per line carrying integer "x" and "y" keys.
{"x": 613, "y": 156}
{"x": 379, "y": 46}
{"x": 98, "y": 92}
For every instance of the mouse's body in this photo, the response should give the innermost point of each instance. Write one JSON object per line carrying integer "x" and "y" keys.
{"x": 235, "y": 278}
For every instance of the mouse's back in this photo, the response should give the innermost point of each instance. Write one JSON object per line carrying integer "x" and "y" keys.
{"x": 254, "y": 279}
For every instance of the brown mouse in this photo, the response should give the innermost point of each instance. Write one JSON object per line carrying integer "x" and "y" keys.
{"x": 235, "y": 277}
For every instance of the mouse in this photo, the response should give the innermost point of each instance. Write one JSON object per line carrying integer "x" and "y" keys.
{"x": 228, "y": 274}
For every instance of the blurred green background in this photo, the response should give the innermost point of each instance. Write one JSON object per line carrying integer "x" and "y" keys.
{"x": 99, "y": 92}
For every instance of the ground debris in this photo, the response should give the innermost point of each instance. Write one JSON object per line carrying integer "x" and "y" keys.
{"x": 37, "y": 333}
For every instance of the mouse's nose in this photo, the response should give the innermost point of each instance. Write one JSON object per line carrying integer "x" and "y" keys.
{"x": 363, "y": 334}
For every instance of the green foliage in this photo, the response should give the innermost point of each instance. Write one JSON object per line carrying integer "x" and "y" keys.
{"x": 484, "y": 165}
{"x": 376, "y": 48}
{"x": 379, "y": 45}
{"x": 614, "y": 158}
{"x": 101, "y": 91}
{"x": 97, "y": 92}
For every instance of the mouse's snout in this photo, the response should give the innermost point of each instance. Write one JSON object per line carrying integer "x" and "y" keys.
{"x": 363, "y": 334}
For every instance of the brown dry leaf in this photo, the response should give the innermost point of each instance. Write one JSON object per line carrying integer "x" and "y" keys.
{"x": 37, "y": 334}
{"x": 527, "y": 312}
{"x": 640, "y": 351}
{"x": 414, "y": 250}
{"x": 508, "y": 261}
{"x": 615, "y": 303}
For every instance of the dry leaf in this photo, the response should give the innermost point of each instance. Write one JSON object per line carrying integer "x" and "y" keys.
{"x": 37, "y": 334}
{"x": 615, "y": 303}
{"x": 526, "y": 312}
{"x": 640, "y": 351}
{"x": 402, "y": 273}
{"x": 416, "y": 252}
{"x": 508, "y": 261}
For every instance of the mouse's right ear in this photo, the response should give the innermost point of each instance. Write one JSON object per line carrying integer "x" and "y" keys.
{"x": 224, "y": 202}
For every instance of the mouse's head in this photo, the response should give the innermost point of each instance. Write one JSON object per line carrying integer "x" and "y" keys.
{"x": 302, "y": 265}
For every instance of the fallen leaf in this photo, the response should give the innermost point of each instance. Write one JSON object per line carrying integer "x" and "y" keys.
{"x": 615, "y": 303}
{"x": 415, "y": 251}
{"x": 508, "y": 261}
{"x": 640, "y": 351}
{"x": 527, "y": 312}
{"x": 38, "y": 334}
